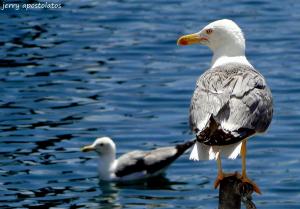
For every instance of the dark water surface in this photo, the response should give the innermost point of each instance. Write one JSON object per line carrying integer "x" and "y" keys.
{"x": 96, "y": 68}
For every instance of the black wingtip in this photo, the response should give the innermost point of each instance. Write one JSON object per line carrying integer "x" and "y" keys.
{"x": 186, "y": 145}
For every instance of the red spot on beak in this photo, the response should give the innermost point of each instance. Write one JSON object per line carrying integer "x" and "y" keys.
{"x": 183, "y": 42}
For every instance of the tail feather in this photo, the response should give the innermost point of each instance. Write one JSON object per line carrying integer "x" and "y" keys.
{"x": 206, "y": 152}
{"x": 200, "y": 152}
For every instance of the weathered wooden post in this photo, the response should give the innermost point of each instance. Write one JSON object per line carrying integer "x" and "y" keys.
{"x": 233, "y": 191}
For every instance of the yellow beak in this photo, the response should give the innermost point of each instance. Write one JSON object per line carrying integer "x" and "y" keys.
{"x": 190, "y": 39}
{"x": 87, "y": 148}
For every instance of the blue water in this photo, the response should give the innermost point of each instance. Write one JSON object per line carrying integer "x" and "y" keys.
{"x": 112, "y": 68}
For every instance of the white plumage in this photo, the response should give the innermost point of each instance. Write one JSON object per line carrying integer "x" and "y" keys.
{"x": 205, "y": 152}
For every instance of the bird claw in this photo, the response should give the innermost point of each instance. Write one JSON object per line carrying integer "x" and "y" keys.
{"x": 221, "y": 176}
{"x": 248, "y": 185}
{"x": 217, "y": 181}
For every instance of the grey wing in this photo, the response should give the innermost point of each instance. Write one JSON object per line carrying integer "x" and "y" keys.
{"x": 159, "y": 159}
{"x": 235, "y": 96}
{"x": 130, "y": 163}
{"x": 150, "y": 161}
{"x": 207, "y": 100}
{"x": 212, "y": 93}
{"x": 252, "y": 109}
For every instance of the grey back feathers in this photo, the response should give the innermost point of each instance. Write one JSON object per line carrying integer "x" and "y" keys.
{"x": 232, "y": 102}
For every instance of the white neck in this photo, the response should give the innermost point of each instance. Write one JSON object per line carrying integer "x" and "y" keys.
{"x": 106, "y": 165}
{"x": 224, "y": 60}
{"x": 229, "y": 53}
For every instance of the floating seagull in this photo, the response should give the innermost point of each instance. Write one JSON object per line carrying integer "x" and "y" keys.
{"x": 134, "y": 165}
{"x": 231, "y": 102}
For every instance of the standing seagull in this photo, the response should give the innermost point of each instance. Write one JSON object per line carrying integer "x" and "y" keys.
{"x": 231, "y": 102}
{"x": 135, "y": 165}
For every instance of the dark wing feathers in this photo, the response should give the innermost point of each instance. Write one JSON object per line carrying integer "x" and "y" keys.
{"x": 150, "y": 161}
{"x": 130, "y": 163}
{"x": 237, "y": 98}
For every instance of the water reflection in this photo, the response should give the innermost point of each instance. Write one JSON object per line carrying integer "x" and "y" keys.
{"x": 112, "y": 192}
{"x": 110, "y": 195}
{"x": 157, "y": 183}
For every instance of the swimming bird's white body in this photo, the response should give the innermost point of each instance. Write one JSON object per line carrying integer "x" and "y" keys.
{"x": 134, "y": 165}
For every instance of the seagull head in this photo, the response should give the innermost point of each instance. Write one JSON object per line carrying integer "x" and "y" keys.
{"x": 223, "y": 37}
{"x": 103, "y": 146}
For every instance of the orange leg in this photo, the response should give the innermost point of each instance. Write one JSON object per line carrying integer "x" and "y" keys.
{"x": 221, "y": 175}
{"x": 244, "y": 177}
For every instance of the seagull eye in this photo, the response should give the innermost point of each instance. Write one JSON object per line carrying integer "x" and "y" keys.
{"x": 101, "y": 144}
{"x": 208, "y": 31}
